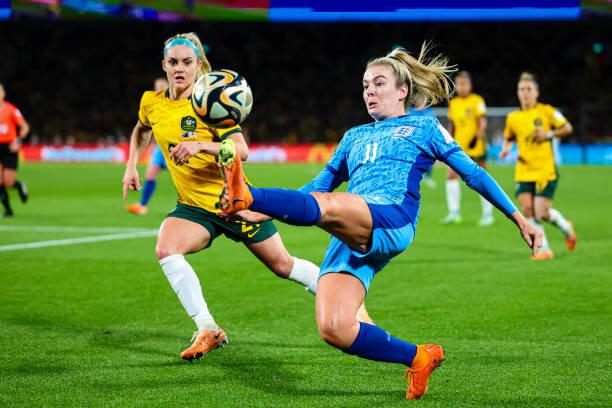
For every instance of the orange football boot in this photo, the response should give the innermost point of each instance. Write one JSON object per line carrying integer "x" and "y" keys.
{"x": 203, "y": 343}
{"x": 570, "y": 240}
{"x": 543, "y": 255}
{"x": 136, "y": 208}
{"x": 235, "y": 195}
{"x": 427, "y": 359}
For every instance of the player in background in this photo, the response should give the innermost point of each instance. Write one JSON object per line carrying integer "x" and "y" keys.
{"x": 189, "y": 147}
{"x": 376, "y": 218}
{"x": 533, "y": 128}
{"x": 156, "y": 164}
{"x": 13, "y": 128}
{"x": 467, "y": 124}
{"x": 420, "y": 108}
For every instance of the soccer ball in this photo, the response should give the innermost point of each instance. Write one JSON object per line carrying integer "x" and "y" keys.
{"x": 222, "y": 98}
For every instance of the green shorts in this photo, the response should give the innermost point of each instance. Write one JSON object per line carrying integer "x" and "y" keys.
{"x": 539, "y": 189}
{"x": 238, "y": 231}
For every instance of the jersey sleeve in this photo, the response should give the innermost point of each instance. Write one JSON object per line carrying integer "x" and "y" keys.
{"x": 479, "y": 180}
{"x": 440, "y": 143}
{"x": 556, "y": 118}
{"x": 481, "y": 107}
{"x": 224, "y": 133}
{"x": 143, "y": 112}
{"x": 17, "y": 116}
{"x": 508, "y": 133}
{"x": 334, "y": 173}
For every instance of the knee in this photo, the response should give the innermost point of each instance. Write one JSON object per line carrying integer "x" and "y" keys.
{"x": 528, "y": 211}
{"x": 337, "y": 331}
{"x": 327, "y": 205}
{"x": 542, "y": 214}
{"x": 282, "y": 266}
{"x": 163, "y": 250}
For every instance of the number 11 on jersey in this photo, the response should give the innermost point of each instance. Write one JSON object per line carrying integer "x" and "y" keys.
{"x": 370, "y": 148}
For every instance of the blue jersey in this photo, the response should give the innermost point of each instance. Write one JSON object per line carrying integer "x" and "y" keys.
{"x": 385, "y": 161}
{"x": 421, "y": 112}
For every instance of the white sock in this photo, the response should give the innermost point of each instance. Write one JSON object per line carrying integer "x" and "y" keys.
{"x": 453, "y": 196}
{"x": 305, "y": 273}
{"x": 558, "y": 220}
{"x": 186, "y": 285}
{"x": 539, "y": 226}
{"x": 487, "y": 208}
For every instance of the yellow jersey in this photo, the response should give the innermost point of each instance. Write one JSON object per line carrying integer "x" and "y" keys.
{"x": 464, "y": 113}
{"x": 536, "y": 160}
{"x": 199, "y": 181}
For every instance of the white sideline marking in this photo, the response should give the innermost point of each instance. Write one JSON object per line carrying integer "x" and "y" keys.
{"x": 34, "y": 228}
{"x": 82, "y": 240}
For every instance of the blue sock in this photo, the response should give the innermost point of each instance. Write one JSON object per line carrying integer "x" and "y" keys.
{"x": 289, "y": 206}
{"x": 374, "y": 343}
{"x": 147, "y": 192}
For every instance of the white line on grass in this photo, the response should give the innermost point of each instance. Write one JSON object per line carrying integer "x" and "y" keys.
{"x": 82, "y": 240}
{"x": 50, "y": 228}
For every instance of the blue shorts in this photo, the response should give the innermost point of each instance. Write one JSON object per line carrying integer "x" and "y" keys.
{"x": 157, "y": 158}
{"x": 392, "y": 233}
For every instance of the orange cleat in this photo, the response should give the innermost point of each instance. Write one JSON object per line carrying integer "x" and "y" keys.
{"x": 203, "y": 343}
{"x": 543, "y": 255}
{"x": 570, "y": 240}
{"x": 235, "y": 195}
{"x": 427, "y": 359}
{"x": 136, "y": 209}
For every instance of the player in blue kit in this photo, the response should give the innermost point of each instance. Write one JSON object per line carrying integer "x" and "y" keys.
{"x": 420, "y": 108}
{"x": 376, "y": 218}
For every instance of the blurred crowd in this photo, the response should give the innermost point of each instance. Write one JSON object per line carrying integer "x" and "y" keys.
{"x": 82, "y": 81}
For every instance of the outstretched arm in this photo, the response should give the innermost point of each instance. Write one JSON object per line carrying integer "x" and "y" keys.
{"x": 478, "y": 179}
{"x": 327, "y": 180}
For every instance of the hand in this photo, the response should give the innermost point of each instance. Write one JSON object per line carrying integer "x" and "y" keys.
{"x": 247, "y": 216}
{"x": 541, "y": 135}
{"x": 182, "y": 152}
{"x": 503, "y": 154}
{"x": 14, "y": 146}
{"x": 131, "y": 181}
{"x": 531, "y": 235}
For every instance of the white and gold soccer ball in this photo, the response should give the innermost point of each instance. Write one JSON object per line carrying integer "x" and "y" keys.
{"x": 222, "y": 98}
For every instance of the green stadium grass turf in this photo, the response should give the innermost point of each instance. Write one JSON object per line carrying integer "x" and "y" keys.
{"x": 98, "y": 325}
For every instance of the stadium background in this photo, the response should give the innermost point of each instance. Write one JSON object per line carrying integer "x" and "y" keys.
{"x": 95, "y": 324}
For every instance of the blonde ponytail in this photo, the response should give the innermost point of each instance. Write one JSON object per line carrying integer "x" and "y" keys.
{"x": 204, "y": 65}
{"x": 427, "y": 77}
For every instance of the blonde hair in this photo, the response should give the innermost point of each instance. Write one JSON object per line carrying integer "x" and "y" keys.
{"x": 204, "y": 65}
{"x": 427, "y": 77}
{"x": 528, "y": 76}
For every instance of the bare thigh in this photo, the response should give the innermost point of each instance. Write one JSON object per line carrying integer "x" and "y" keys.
{"x": 180, "y": 236}
{"x": 451, "y": 175}
{"x": 8, "y": 177}
{"x": 542, "y": 206}
{"x": 339, "y": 296}
{"x": 526, "y": 202}
{"x": 274, "y": 255}
{"x": 347, "y": 217}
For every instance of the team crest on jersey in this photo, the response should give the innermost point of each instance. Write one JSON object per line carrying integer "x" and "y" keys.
{"x": 403, "y": 132}
{"x": 188, "y": 123}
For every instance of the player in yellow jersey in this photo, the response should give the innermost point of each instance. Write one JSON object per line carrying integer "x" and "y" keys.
{"x": 467, "y": 123}
{"x": 533, "y": 128}
{"x": 189, "y": 147}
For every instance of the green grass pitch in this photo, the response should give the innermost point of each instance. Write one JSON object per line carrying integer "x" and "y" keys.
{"x": 96, "y": 324}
